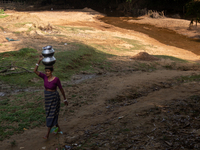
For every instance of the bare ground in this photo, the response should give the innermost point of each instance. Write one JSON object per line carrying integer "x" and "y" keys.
{"x": 180, "y": 26}
{"x": 113, "y": 111}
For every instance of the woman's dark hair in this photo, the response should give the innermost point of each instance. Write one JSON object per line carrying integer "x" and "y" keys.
{"x": 49, "y": 67}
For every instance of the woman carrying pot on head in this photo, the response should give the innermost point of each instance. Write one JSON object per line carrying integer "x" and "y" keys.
{"x": 52, "y": 98}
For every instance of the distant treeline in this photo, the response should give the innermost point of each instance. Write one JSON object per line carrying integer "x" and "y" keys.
{"x": 157, "y": 4}
{"x": 191, "y": 7}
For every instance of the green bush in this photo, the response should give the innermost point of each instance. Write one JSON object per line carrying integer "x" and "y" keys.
{"x": 193, "y": 10}
{"x": 2, "y": 11}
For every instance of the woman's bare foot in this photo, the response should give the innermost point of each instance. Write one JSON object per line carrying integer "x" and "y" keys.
{"x": 45, "y": 137}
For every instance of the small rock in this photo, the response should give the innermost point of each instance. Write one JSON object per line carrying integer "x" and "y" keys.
{"x": 2, "y": 94}
{"x": 68, "y": 147}
{"x": 168, "y": 143}
{"x": 71, "y": 139}
{"x": 121, "y": 117}
{"x": 12, "y": 69}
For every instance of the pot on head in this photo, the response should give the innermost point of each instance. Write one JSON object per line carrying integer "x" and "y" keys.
{"x": 49, "y": 61}
{"x": 47, "y": 47}
{"x": 48, "y": 53}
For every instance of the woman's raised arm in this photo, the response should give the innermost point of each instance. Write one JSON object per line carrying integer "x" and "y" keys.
{"x": 37, "y": 65}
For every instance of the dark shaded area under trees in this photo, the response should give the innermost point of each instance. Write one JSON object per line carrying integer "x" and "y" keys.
{"x": 185, "y": 7}
{"x": 150, "y": 4}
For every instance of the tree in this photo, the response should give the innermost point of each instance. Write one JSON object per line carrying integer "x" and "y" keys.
{"x": 193, "y": 10}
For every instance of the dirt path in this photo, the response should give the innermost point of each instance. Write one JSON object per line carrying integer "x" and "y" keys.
{"x": 99, "y": 91}
{"x": 111, "y": 96}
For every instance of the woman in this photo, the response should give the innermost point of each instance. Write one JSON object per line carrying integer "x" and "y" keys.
{"x": 52, "y": 98}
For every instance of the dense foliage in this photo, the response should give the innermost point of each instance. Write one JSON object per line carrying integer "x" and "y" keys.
{"x": 192, "y": 7}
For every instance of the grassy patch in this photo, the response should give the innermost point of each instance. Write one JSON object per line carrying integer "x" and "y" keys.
{"x": 171, "y": 58}
{"x": 25, "y": 58}
{"x": 13, "y": 143}
{"x": 136, "y": 44}
{"x": 133, "y": 45}
{"x": 189, "y": 78}
{"x": 71, "y": 62}
{"x": 25, "y": 52}
{"x": 29, "y": 29}
{"x": 19, "y": 113}
{"x": 84, "y": 59}
{"x": 145, "y": 66}
{"x": 3, "y": 16}
{"x": 2, "y": 11}
{"x": 102, "y": 48}
{"x": 17, "y": 32}
{"x": 1, "y": 28}
{"x": 59, "y": 35}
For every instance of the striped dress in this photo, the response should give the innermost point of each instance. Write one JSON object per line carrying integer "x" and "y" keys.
{"x": 52, "y": 107}
{"x": 52, "y": 100}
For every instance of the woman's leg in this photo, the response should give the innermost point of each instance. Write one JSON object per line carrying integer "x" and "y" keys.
{"x": 48, "y": 131}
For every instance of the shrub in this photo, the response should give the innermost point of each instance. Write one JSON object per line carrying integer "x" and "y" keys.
{"x": 2, "y": 11}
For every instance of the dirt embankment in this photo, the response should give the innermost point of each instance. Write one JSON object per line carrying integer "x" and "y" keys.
{"x": 32, "y": 27}
{"x": 180, "y": 26}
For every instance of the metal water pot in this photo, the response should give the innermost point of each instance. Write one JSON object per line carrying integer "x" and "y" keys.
{"x": 49, "y": 47}
{"x": 48, "y": 53}
{"x": 49, "y": 61}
